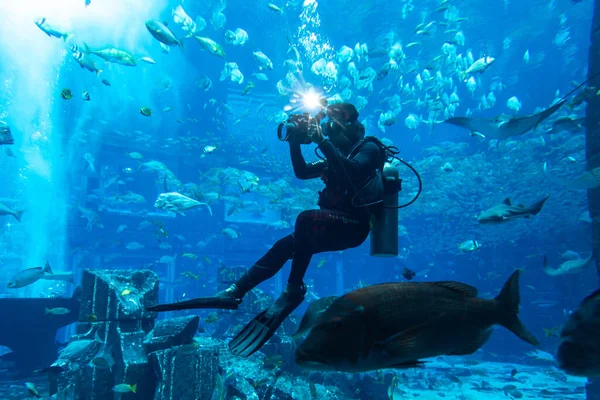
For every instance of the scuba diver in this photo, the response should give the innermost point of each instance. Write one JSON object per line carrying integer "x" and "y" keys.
{"x": 353, "y": 193}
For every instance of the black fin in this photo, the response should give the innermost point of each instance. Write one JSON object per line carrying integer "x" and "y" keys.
{"x": 463, "y": 288}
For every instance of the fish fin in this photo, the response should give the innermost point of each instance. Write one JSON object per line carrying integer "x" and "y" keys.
{"x": 473, "y": 344}
{"x": 134, "y": 388}
{"x": 508, "y": 301}
{"x": 507, "y": 201}
{"x": 97, "y": 338}
{"x": 463, "y": 288}
{"x": 545, "y": 262}
{"x": 86, "y": 48}
{"x": 409, "y": 364}
{"x": 535, "y": 208}
{"x": 181, "y": 212}
{"x": 18, "y": 215}
{"x": 67, "y": 36}
{"x": 180, "y": 43}
{"x": 47, "y": 311}
{"x": 47, "y": 269}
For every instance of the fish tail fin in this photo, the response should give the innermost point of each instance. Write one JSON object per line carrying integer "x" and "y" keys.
{"x": 98, "y": 72}
{"x": 209, "y": 209}
{"x": 18, "y": 215}
{"x": 47, "y": 311}
{"x": 508, "y": 300}
{"x": 97, "y": 337}
{"x": 86, "y": 48}
{"x": 134, "y": 388}
{"x": 180, "y": 43}
{"x": 66, "y": 37}
{"x": 47, "y": 269}
{"x": 537, "y": 207}
{"x": 545, "y": 262}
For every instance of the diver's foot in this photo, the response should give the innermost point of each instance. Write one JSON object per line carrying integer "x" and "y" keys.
{"x": 258, "y": 331}
{"x": 222, "y": 300}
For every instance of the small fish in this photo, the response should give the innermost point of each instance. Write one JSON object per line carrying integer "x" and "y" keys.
{"x": 57, "y": 311}
{"x": 66, "y": 94}
{"x": 6, "y": 136}
{"x": 552, "y": 331}
{"x": 51, "y": 31}
{"x": 469, "y": 246}
{"x": 408, "y": 274}
{"x": 124, "y": 388}
{"x": 275, "y": 8}
{"x": 32, "y": 389}
{"x": 105, "y": 82}
{"x": 145, "y": 111}
{"x": 212, "y": 318}
{"x": 147, "y": 60}
{"x": 85, "y": 96}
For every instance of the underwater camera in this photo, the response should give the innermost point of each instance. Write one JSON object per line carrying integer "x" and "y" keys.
{"x": 298, "y": 128}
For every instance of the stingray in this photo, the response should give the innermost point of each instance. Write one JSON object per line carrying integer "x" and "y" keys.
{"x": 504, "y": 126}
{"x": 588, "y": 180}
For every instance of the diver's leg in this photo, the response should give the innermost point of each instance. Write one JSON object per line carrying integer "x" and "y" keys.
{"x": 315, "y": 231}
{"x": 231, "y": 297}
{"x": 319, "y": 231}
{"x": 263, "y": 269}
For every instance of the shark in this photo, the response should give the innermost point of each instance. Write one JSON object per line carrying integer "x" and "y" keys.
{"x": 568, "y": 267}
{"x": 504, "y": 126}
{"x": 588, "y": 180}
{"x": 505, "y": 212}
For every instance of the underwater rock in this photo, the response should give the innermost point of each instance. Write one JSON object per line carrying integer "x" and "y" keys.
{"x": 137, "y": 369}
{"x": 119, "y": 295}
{"x": 242, "y": 389}
{"x": 186, "y": 372}
{"x": 172, "y": 332}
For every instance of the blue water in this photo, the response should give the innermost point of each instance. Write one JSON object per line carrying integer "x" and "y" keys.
{"x": 50, "y": 178}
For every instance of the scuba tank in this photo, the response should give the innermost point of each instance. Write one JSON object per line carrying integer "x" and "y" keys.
{"x": 384, "y": 226}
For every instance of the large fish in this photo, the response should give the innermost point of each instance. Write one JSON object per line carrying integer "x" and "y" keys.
{"x": 162, "y": 33}
{"x": 112, "y": 54}
{"x": 579, "y": 349}
{"x": 395, "y": 325}
{"x": 178, "y": 203}
{"x": 505, "y": 212}
{"x": 6, "y": 210}
{"x": 504, "y": 126}
{"x": 569, "y": 266}
{"x": 28, "y": 276}
{"x": 588, "y": 180}
{"x": 312, "y": 314}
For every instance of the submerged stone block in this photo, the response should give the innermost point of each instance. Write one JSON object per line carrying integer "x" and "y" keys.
{"x": 172, "y": 332}
{"x": 119, "y": 295}
{"x": 182, "y": 373}
{"x": 134, "y": 367}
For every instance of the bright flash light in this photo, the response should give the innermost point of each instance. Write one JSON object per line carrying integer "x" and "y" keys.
{"x": 312, "y": 100}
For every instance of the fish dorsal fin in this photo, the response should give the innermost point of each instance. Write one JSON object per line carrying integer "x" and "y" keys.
{"x": 507, "y": 201}
{"x": 463, "y": 288}
{"x": 591, "y": 297}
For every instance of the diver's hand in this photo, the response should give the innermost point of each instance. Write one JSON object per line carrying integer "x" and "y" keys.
{"x": 316, "y": 135}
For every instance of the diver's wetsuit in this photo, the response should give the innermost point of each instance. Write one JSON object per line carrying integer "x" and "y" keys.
{"x": 337, "y": 225}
